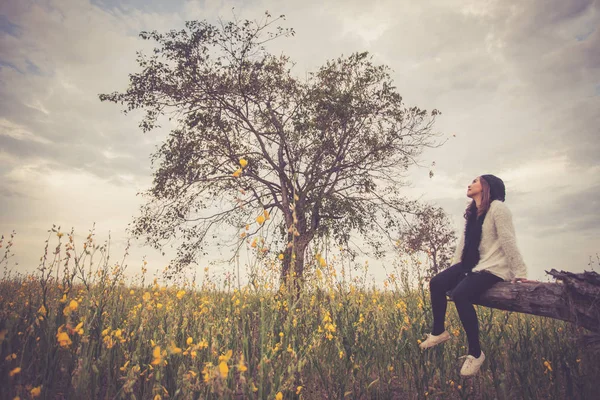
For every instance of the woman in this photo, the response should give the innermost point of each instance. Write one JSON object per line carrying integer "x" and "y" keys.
{"x": 487, "y": 253}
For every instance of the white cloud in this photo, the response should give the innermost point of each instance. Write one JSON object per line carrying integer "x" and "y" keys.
{"x": 16, "y": 131}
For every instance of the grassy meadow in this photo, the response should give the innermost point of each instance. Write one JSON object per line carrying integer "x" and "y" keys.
{"x": 76, "y": 329}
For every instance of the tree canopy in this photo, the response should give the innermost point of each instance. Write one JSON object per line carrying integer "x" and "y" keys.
{"x": 259, "y": 149}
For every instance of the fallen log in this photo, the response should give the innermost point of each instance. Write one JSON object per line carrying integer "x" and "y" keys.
{"x": 574, "y": 298}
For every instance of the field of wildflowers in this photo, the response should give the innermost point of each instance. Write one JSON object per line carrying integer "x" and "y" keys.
{"x": 76, "y": 329}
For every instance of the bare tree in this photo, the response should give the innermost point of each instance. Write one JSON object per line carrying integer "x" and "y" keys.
{"x": 429, "y": 232}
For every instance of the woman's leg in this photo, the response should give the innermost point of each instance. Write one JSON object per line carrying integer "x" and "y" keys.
{"x": 465, "y": 293}
{"x": 438, "y": 286}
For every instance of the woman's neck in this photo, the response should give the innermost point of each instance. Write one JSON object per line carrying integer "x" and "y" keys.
{"x": 477, "y": 200}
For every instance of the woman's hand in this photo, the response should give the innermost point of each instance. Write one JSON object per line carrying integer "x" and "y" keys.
{"x": 525, "y": 280}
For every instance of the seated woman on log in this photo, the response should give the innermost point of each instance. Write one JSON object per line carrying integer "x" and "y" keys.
{"x": 487, "y": 253}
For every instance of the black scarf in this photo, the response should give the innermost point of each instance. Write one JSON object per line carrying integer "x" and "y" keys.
{"x": 473, "y": 227}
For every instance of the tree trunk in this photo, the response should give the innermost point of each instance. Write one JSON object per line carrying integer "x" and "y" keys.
{"x": 575, "y": 298}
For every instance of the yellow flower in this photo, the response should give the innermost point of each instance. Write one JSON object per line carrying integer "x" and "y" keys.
{"x": 253, "y": 387}
{"x": 242, "y": 366}
{"x": 42, "y": 311}
{"x": 157, "y": 356}
{"x": 146, "y": 296}
{"x": 266, "y": 214}
{"x": 243, "y": 162}
{"x": 14, "y": 371}
{"x": 36, "y": 391}
{"x": 281, "y": 256}
{"x": 63, "y": 338}
{"x": 237, "y": 173}
{"x": 73, "y": 305}
{"x": 279, "y": 396}
{"x": 157, "y": 397}
{"x": 223, "y": 368}
{"x": 298, "y": 389}
{"x": 180, "y": 294}
{"x": 189, "y": 341}
{"x": 132, "y": 292}
{"x": 79, "y": 328}
{"x": 174, "y": 349}
{"x": 260, "y": 219}
{"x": 124, "y": 367}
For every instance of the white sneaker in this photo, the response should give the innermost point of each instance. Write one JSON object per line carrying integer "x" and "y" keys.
{"x": 472, "y": 365}
{"x": 433, "y": 340}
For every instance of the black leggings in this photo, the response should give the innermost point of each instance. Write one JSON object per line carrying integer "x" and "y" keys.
{"x": 466, "y": 288}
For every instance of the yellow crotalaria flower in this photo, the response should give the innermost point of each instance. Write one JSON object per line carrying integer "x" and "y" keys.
{"x": 157, "y": 356}
{"x": 242, "y": 366}
{"x": 298, "y": 389}
{"x": 180, "y": 294}
{"x": 63, "y": 338}
{"x": 260, "y": 219}
{"x": 223, "y": 369}
{"x": 279, "y": 396}
{"x": 36, "y": 391}
{"x": 73, "y": 305}
{"x": 266, "y": 214}
{"x": 281, "y": 256}
{"x": 243, "y": 162}
{"x": 14, "y": 371}
{"x": 146, "y": 296}
{"x": 189, "y": 341}
{"x": 79, "y": 328}
{"x": 237, "y": 173}
{"x": 124, "y": 367}
{"x": 174, "y": 349}
{"x": 253, "y": 387}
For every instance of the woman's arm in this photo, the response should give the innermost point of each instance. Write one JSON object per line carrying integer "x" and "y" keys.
{"x": 508, "y": 240}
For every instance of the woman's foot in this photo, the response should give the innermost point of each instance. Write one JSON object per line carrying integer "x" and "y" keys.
{"x": 472, "y": 365}
{"x": 434, "y": 340}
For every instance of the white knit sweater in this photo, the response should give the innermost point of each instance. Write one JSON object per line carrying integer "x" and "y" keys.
{"x": 498, "y": 252}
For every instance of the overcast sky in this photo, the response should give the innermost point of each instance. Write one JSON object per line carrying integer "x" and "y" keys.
{"x": 517, "y": 82}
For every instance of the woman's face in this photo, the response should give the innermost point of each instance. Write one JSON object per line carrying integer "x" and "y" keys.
{"x": 474, "y": 188}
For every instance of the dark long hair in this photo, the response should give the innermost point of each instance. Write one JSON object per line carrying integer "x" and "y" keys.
{"x": 473, "y": 226}
{"x": 485, "y": 201}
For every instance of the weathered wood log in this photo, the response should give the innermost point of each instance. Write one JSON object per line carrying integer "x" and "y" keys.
{"x": 574, "y": 298}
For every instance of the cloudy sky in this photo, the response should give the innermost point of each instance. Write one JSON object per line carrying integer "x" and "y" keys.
{"x": 517, "y": 82}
